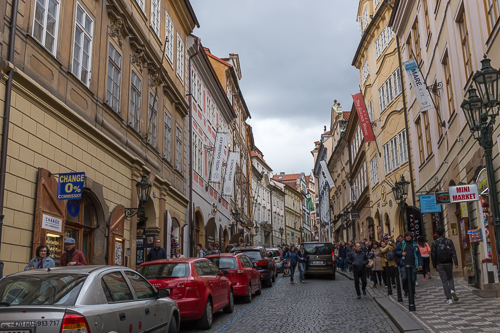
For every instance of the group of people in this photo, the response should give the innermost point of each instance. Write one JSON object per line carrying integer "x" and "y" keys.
{"x": 383, "y": 260}
{"x": 293, "y": 258}
{"x": 70, "y": 257}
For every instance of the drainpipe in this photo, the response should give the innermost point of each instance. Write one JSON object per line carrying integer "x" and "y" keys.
{"x": 6, "y": 114}
{"x": 190, "y": 85}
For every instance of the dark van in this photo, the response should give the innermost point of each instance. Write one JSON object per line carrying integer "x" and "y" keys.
{"x": 321, "y": 259}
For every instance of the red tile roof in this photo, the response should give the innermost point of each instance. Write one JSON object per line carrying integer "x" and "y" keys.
{"x": 285, "y": 178}
{"x": 260, "y": 157}
{"x": 207, "y": 51}
{"x": 346, "y": 114}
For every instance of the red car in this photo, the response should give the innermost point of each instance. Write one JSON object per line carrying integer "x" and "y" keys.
{"x": 196, "y": 284}
{"x": 240, "y": 270}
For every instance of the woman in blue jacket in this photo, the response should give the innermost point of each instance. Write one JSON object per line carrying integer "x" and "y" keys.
{"x": 293, "y": 258}
{"x": 42, "y": 259}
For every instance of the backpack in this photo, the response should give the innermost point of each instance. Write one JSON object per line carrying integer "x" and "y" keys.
{"x": 443, "y": 252}
{"x": 390, "y": 255}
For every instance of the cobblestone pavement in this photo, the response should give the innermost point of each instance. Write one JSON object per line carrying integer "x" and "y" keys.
{"x": 319, "y": 305}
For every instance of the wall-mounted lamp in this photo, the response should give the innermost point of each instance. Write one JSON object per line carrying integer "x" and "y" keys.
{"x": 143, "y": 189}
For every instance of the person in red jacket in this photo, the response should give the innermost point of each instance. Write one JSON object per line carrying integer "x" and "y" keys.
{"x": 72, "y": 257}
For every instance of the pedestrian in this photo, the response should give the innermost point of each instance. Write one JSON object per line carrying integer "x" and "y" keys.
{"x": 178, "y": 253}
{"x": 41, "y": 260}
{"x": 215, "y": 249}
{"x": 200, "y": 252}
{"x": 410, "y": 257}
{"x": 388, "y": 261}
{"x": 157, "y": 252}
{"x": 342, "y": 256}
{"x": 71, "y": 256}
{"x": 286, "y": 264}
{"x": 292, "y": 258}
{"x": 377, "y": 267}
{"x": 358, "y": 261}
{"x": 209, "y": 250}
{"x": 303, "y": 258}
{"x": 242, "y": 242}
{"x": 425, "y": 252}
{"x": 443, "y": 255}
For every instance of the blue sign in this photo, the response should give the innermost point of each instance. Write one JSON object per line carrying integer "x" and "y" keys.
{"x": 292, "y": 233}
{"x": 73, "y": 207}
{"x": 70, "y": 186}
{"x": 428, "y": 204}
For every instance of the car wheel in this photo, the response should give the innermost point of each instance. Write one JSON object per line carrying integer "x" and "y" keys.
{"x": 333, "y": 276}
{"x": 173, "y": 325}
{"x": 268, "y": 283}
{"x": 273, "y": 278}
{"x": 206, "y": 320}
{"x": 259, "y": 291}
{"x": 230, "y": 307}
{"x": 248, "y": 298}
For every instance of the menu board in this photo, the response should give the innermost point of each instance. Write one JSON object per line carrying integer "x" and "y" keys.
{"x": 140, "y": 242}
{"x": 54, "y": 243}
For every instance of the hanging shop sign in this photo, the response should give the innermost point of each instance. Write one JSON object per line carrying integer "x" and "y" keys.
{"x": 364, "y": 119}
{"x": 482, "y": 181}
{"x": 51, "y": 223}
{"x": 70, "y": 186}
{"x": 230, "y": 171}
{"x": 442, "y": 198}
{"x": 418, "y": 84}
{"x": 428, "y": 204}
{"x": 463, "y": 193}
{"x": 218, "y": 158}
{"x": 355, "y": 214}
{"x": 326, "y": 174}
{"x": 415, "y": 224}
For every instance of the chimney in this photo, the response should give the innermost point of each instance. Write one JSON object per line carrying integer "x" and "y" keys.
{"x": 282, "y": 173}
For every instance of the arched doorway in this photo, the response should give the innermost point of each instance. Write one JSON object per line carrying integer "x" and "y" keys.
{"x": 226, "y": 239}
{"x": 174, "y": 235}
{"x": 199, "y": 228}
{"x": 371, "y": 229}
{"x": 210, "y": 231}
{"x": 220, "y": 241}
{"x": 387, "y": 225}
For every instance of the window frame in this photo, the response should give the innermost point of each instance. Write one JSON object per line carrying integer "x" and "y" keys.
{"x": 167, "y": 135}
{"x": 84, "y": 33}
{"x": 135, "y": 119}
{"x": 169, "y": 33}
{"x": 449, "y": 84}
{"x": 464, "y": 41}
{"x": 403, "y": 147}
{"x": 426, "y": 17}
{"x": 395, "y": 163}
{"x": 155, "y": 16}
{"x": 427, "y": 128}
{"x": 44, "y": 26}
{"x": 418, "y": 124}
{"x": 180, "y": 59}
{"x": 495, "y": 8}
{"x": 416, "y": 41}
{"x": 387, "y": 158}
{"x": 153, "y": 118}
{"x": 116, "y": 67}
{"x": 178, "y": 148}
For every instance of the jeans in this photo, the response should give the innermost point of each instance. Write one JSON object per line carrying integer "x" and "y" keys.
{"x": 292, "y": 271}
{"x": 342, "y": 264}
{"x": 446, "y": 274}
{"x": 404, "y": 278}
{"x": 357, "y": 276}
{"x": 390, "y": 272}
{"x": 375, "y": 275}
{"x": 302, "y": 267}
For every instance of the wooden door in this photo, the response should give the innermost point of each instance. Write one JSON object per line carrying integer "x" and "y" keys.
{"x": 116, "y": 240}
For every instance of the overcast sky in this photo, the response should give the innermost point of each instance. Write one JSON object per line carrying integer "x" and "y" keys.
{"x": 295, "y": 58}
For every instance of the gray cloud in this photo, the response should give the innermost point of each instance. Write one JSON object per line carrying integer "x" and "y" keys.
{"x": 296, "y": 59}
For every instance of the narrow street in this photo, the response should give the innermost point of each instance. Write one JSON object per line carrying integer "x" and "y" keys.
{"x": 319, "y": 305}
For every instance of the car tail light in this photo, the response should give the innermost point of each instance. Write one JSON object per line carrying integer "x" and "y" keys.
{"x": 182, "y": 284}
{"x": 261, "y": 263}
{"x": 74, "y": 324}
{"x": 333, "y": 256}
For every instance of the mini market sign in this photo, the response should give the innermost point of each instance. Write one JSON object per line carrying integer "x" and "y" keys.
{"x": 463, "y": 193}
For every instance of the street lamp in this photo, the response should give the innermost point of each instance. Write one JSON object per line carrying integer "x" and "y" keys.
{"x": 143, "y": 189}
{"x": 481, "y": 112}
{"x": 400, "y": 191}
{"x": 236, "y": 217}
{"x": 281, "y": 233}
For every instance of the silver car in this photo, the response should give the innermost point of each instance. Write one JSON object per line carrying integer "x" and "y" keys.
{"x": 83, "y": 299}
{"x": 275, "y": 253}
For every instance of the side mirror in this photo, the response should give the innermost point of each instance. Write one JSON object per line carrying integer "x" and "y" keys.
{"x": 162, "y": 293}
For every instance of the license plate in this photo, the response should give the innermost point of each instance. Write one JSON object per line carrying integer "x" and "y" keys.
{"x": 15, "y": 331}
{"x": 318, "y": 263}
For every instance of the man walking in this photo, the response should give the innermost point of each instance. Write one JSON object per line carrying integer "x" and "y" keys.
{"x": 443, "y": 255}
{"x": 157, "y": 252}
{"x": 71, "y": 256}
{"x": 342, "y": 256}
{"x": 200, "y": 253}
{"x": 358, "y": 261}
{"x": 410, "y": 256}
{"x": 302, "y": 263}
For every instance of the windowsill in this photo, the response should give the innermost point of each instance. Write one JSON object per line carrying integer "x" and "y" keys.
{"x": 155, "y": 36}
{"x": 440, "y": 141}
{"x": 437, "y": 8}
{"x": 179, "y": 77}
{"x": 178, "y": 172}
{"x": 79, "y": 82}
{"x": 134, "y": 132}
{"x": 29, "y": 36}
{"x": 115, "y": 114}
{"x": 426, "y": 161}
{"x": 468, "y": 82}
{"x": 452, "y": 118}
{"x": 142, "y": 11}
{"x": 168, "y": 162}
{"x": 428, "y": 41}
{"x": 493, "y": 34}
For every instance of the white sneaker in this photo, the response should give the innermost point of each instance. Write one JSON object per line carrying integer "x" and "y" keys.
{"x": 454, "y": 295}
{"x": 450, "y": 301}
{"x": 416, "y": 283}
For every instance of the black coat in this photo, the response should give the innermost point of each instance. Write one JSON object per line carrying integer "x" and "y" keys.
{"x": 358, "y": 260}
{"x": 342, "y": 251}
{"x": 155, "y": 254}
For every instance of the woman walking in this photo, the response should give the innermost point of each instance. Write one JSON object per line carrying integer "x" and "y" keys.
{"x": 425, "y": 252}
{"x": 388, "y": 263}
{"x": 377, "y": 267}
{"x": 292, "y": 259}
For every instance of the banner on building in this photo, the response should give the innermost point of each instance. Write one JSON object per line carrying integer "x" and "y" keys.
{"x": 326, "y": 174}
{"x": 218, "y": 157}
{"x": 415, "y": 223}
{"x": 230, "y": 171}
{"x": 364, "y": 119}
{"x": 418, "y": 84}
{"x": 428, "y": 204}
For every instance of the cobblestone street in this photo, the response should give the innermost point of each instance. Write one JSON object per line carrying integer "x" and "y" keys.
{"x": 319, "y": 305}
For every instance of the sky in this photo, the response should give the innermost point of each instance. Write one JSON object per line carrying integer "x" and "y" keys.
{"x": 295, "y": 58}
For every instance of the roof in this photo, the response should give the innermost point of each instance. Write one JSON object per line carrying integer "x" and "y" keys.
{"x": 260, "y": 156}
{"x": 285, "y": 178}
{"x": 207, "y": 52}
{"x": 346, "y": 115}
{"x": 191, "y": 12}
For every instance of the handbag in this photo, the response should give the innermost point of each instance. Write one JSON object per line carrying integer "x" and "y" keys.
{"x": 370, "y": 263}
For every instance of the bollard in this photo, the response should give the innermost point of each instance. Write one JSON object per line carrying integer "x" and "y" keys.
{"x": 388, "y": 278}
{"x": 409, "y": 279}
{"x": 398, "y": 283}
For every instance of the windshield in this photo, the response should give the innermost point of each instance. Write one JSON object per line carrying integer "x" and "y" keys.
{"x": 170, "y": 270}
{"x": 274, "y": 253}
{"x": 46, "y": 289}
{"x": 254, "y": 255}
{"x": 225, "y": 263}
{"x": 318, "y": 248}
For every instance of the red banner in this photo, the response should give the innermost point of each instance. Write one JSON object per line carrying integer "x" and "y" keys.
{"x": 364, "y": 120}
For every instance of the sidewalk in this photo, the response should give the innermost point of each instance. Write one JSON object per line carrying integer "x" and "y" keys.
{"x": 470, "y": 314}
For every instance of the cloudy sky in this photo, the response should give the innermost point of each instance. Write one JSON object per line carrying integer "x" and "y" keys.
{"x": 295, "y": 58}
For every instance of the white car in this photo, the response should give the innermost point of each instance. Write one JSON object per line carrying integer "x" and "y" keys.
{"x": 276, "y": 254}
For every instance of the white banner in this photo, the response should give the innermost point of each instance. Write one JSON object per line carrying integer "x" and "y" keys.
{"x": 326, "y": 173}
{"x": 418, "y": 84}
{"x": 230, "y": 171}
{"x": 463, "y": 193}
{"x": 218, "y": 157}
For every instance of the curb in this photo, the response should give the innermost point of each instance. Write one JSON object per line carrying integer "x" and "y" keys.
{"x": 346, "y": 275}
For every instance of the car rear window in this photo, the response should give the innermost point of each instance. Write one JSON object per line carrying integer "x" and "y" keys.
{"x": 46, "y": 289}
{"x": 253, "y": 254}
{"x": 274, "y": 253}
{"x": 318, "y": 248}
{"x": 225, "y": 262}
{"x": 164, "y": 271}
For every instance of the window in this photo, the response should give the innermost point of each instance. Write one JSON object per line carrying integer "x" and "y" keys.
{"x": 366, "y": 70}
{"x": 396, "y": 77}
{"x": 374, "y": 170}
{"x": 464, "y": 37}
{"x": 365, "y": 18}
{"x": 426, "y": 15}
{"x": 376, "y": 3}
{"x": 203, "y": 268}
{"x": 142, "y": 288}
{"x": 199, "y": 155}
{"x": 45, "y": 23}
{"x": 390, "y": 34}
{"x": 383, "y": 39}
{"x": 492, "y": 12}
{"x": 180, "y": 58}
{"x": 135, "y": 102}
{"x": 388, "y": 89}
{"x": 114, "y": 73}
{"x": 381, "y": 97}
{"x": 178, "y": 149}
{"x": 437, "y": 104}
{"x": 416, "y": 42}
{"x": 169, "y": 32}
{"x": 141, "y": 4}
{"x": 394, "y": 153}
{"x": 449, "y": 85}
{"x": 167, "y": 135}
{"x": 370, "y": 110}
{"x": 378, "y": 49}
{"x": 117, "y": 287}
{"x": 420, "y": 141}
{"x": 403, "y": 147}
{"x": 82, "y": 48}
{"x": 155, "y": 16}
{"x": 409, "y": 46}
{"x": 153, "y": 120}
{"x": 387, "y": 159}
{"x": 427, "y": 133}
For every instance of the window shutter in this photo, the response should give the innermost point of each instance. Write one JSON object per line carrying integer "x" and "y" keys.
{"x": 116, "y": 253}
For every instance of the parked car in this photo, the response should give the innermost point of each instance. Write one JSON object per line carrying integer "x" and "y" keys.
{"x": 277, "y": 256}
{"x": 196, "y": 284}
{"x": 262, "y": 262}
{"x": 84, "y": 299}
{"x": 240, "y": 270}
{"x": 321, "y": 259}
